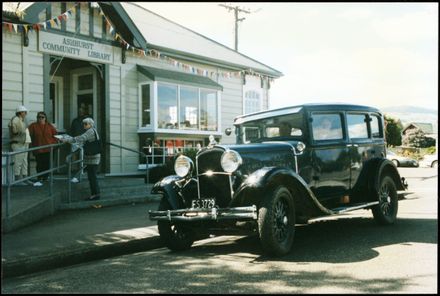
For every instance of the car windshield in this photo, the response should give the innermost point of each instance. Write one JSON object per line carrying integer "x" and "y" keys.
{"x": 286, "y": 127}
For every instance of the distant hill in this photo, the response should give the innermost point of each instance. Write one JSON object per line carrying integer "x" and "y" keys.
{"x": 408, "y": 114}
{"x": 408, "y": 109}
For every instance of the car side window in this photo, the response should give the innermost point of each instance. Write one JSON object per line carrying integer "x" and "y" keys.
{"x": 375, "y": 126}
{"x": 326, "y": 127}
{"x": 357, "y": 126}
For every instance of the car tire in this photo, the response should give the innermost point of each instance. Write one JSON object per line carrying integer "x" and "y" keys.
{"x": 385, "y": 212}
{"x": 176, "y": 236}
{"x": 276, "y": 221}
{"x": 434, "y": 164}
{"x": 396, "y": 162}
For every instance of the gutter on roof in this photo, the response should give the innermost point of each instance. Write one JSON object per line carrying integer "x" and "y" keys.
{"x": 213, "y": 62}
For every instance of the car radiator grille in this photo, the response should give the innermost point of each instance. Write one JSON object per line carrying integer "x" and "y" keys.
{"x": 216, "y": 185}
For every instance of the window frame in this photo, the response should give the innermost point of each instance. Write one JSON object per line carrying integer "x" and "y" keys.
{"x": 154, "y": 107}
{"x": 367, "y": 125}
{"x": 328, "y": 141}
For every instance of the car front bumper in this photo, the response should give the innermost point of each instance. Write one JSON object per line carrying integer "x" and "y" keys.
{"x": 191, "y": 214}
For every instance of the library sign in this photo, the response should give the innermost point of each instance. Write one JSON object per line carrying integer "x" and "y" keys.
{"x": 75, "y": 48}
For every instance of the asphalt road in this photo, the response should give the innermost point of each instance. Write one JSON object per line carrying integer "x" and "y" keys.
{"x": 351, "y": 254}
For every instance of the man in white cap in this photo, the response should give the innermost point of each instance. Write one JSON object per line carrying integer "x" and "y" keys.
{"x": 17, "y": 134}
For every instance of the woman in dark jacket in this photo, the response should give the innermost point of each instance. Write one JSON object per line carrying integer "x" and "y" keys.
{"x": 92, "y": 154}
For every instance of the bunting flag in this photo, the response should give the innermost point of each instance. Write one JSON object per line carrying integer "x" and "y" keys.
{"x": 52, "y": 23}
{"x": 140, "y": 52}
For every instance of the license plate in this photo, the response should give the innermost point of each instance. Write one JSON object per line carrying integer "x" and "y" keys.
{"x": 206, "y": 203}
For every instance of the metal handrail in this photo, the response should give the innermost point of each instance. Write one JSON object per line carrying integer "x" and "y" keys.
{"x": 147, "y": 173}
{"x": 8, "y": 155}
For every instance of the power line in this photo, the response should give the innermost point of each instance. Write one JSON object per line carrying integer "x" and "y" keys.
{"x": 236, "y": 10}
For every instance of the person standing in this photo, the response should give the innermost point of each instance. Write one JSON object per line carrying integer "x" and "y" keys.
{"x": 17, "y": 135}
{"x": 76, "y": 129}
{"x": 42, "y": 133}
{"x": 92, "y": 154}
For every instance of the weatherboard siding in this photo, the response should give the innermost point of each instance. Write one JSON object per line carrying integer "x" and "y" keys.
{"x": 231, "y": 105}
{"x": 12, "y": 78}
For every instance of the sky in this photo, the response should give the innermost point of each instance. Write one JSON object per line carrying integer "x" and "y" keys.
{"x": 377, "y": 54}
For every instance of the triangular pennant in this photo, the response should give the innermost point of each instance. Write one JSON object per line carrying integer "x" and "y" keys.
{"x": 52, "y": 23}
{"x": 14, "y": 26}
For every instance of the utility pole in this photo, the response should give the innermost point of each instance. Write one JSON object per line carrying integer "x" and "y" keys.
{"x": 236, "y": 10}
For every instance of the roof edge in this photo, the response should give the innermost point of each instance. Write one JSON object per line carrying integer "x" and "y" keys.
{"x": 207, "y": 38}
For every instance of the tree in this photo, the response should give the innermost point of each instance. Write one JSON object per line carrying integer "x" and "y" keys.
{"x": 416, "y": 138}
{"x": 393, "y": 131}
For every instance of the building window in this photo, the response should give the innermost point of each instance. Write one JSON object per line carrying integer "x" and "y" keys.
{"x": 186, "y": 108}
{"x": 146, "y": 109}
{"x": 167, "y": 106}
{"x": 208, "y": 110}
{"x": 189, "y": 108}
{"x": 252, "y": 101}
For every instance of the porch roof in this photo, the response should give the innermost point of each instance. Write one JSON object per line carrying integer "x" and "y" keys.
{"x": 178, "y": 77}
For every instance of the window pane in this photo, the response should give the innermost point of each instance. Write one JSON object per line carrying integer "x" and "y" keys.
{"x": 327, "y": 126}
{"x": 189, "y": 108}
{"x": 375, "y": 130}
{"x": 85, "y": 82}
{"x": 208, "y": 110}
{"x": 357, "y": 126}
{"x": 145, "y": 89}
{"x": 252, "y": 102}
{"x": 167, "y": 106}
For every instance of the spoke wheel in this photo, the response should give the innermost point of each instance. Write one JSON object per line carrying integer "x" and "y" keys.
{"x": 276, "y": 221}
{"x": 386, "y": 211}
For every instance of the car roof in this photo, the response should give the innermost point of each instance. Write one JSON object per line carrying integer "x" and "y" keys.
{"x": 306, "y": 107}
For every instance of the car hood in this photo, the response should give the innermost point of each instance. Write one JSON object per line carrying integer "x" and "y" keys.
{"x": 266, "y": 154}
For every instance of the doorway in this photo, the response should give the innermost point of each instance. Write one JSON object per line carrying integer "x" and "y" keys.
{"x": 84, "y": 92}
{"x": 55, "y": 114}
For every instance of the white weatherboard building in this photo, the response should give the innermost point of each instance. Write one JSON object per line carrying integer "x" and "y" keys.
{"x": 145, "y": 79}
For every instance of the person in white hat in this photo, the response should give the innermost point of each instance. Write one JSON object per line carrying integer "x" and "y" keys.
{"x": 17, "y": 135}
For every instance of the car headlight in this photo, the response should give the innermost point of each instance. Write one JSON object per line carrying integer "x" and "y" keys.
{"x": 183, "y": 166}
{"x": 230, "y": 161}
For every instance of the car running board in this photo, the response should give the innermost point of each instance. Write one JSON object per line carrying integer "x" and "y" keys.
{"x": 354, "y": 207}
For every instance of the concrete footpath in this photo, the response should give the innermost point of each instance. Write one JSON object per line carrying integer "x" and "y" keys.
{"x": 76, "y": 236}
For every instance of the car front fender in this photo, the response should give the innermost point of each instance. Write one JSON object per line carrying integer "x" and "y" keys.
{"x": 170, "y": 189}
{"x": 252, "y": 190}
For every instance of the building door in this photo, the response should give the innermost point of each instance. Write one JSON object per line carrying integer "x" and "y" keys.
{"x": 55, "y": 114}
{"x": 84, "y": 92}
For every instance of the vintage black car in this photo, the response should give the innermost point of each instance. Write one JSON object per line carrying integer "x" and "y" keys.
{"x": 289, "y": 165}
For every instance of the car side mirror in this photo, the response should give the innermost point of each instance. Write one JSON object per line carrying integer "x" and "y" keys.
{"x": 228, "y": 131}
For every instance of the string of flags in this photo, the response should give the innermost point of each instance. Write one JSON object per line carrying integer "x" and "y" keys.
{"x": 110, "y": 29}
